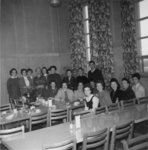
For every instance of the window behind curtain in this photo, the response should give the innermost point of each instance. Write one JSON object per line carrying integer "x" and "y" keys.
{"x": 143, "y": 33}
{"x": 86, "y": 31}
{"x": 143, "y": 22}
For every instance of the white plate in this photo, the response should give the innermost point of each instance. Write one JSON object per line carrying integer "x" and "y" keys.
{"x": 76, "y": 103}
{"x": 37, "y": 111}
{"x": 9, "y": 117}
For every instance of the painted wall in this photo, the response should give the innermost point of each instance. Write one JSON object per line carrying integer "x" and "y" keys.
{"x": 32, "y": 34}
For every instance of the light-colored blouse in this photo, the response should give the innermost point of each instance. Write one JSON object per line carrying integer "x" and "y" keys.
{"x": 104, "y": 98}
{"x": 78, "y": 95}
{"x": 61, "y": 95}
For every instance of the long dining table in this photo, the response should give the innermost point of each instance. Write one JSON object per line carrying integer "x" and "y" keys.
{"x": 19, "y": 116}
{"x": 13, "y": 116}
{"x": 35, "y": 140}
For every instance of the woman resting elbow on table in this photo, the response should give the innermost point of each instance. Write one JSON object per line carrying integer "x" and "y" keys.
{"x": 91, "y": 101}
{"x": 64, "y": 94}
{"x": 79, "y": 93}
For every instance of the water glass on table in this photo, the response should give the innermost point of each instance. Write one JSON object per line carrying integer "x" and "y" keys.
{"x": 72, "y": 128}
{"x": 67, "y": 105}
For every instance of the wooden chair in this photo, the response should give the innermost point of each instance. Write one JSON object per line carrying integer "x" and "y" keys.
{"x": 15, "y": 103}
{"x": 142, "y": 100}
{"x": 58, "y": 115}
{"x": 74, "y": 110}
{"x": 96, "y": 140}
{"x": 140, "y": 127}
{"x": 39, "y": 119}
{"x": 66, "y": 145}
{"x": 128, "y": 103}
{"x": 113, "y": 107}
{"x": 82, "y": 114}
{"x": 5, "y": 107}
{"x": 138, "y": 143}
{"x": 124, "y": 131}
{"x": 81, "y": 106}
{"x": 100, "y": 110}
{"x": 11, "y": 132}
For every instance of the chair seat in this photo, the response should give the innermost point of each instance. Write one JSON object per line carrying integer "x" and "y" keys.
{"x": 141, "y": 128}
{"x": 79, "y": 147}
{"x": 39, "y": 126}
{"x": 56, "y": 122}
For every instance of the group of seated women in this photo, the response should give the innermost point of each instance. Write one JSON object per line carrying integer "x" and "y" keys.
{"x": 48, "y": 83}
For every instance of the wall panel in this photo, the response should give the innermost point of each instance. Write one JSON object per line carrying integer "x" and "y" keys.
{"x": 32, "y": 34}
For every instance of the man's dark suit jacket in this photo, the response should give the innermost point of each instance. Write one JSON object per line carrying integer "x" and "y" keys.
{"x": 95, "y": 75}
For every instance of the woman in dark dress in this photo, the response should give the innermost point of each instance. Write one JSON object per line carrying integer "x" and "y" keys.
{"x": 52, "y": 91}
{"x": 91, "y": 101}
{"x": 81, "y": 77}
{"x": 44, "y": 72}
{"x": 70, "y": 80}
{"x": 13, "y": 85}
{"x": 115, "y": 90}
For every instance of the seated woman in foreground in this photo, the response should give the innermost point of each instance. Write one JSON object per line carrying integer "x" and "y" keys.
{"x": 102, "y": 94}
{"x": 79, "y": 93}
{"x": 91, "y": 101}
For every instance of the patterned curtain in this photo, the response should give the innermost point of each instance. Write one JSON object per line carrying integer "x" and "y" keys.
{"x": 100, "y": 37}
{"x": 77, "y": 40}
{"x": 128, "y": 25}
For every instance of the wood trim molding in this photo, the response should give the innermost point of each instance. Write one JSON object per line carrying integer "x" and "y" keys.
{"x": 38, "y": 55}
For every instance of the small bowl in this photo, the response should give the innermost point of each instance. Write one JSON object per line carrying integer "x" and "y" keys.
{"x": 9, "y": 117}
{"x": 76, "y": 103}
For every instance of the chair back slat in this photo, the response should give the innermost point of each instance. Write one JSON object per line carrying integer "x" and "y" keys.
{"x": 124, "y": 131}
{"x": 5, "y": 107}
{"x": 82, "y": 106}
{"x": 56, "y": 115}
{"x": 11, "y": 132}
{"x": 137, "y": 143}
{"x": 100, "y": 110}
{"x": 123, "y": 135}
{"x": 97, "y": 139}
{"x": 113, "y": 107}
{"x": 37, "y": 119}
{"x": 128, "y": 103}
{"x": 96, "y": 144}
{"x": 81, "y": 113}
{"x": 66, "y": 145}
{"x": 142, "y": 100}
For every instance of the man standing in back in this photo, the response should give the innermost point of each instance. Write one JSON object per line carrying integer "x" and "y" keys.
{"x": 94, "y": 74}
